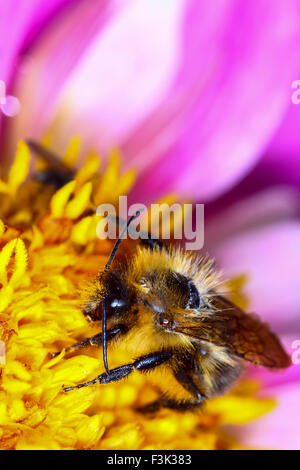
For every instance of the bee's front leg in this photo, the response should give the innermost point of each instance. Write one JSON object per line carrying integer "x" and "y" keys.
{"x": 141, "y": 364}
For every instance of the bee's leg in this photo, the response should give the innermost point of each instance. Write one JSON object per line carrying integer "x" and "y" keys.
{"x": 180, "y": 405}
{"x": 187, "y": 382}
{"x": 151, "y": 407}
{"x": 95, "y": 340}
{"x": 52, "y": 177}
{"x": 141, "y": 364}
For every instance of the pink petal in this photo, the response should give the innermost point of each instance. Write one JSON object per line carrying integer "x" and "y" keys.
{"x": 11, "y": 107}
{"x": 239, "y": 215}
{"x": 270, "y": 257}
{"x": 286, "y": 142}
{"x": 281, "y": 162}
{"x": 20, "y": 23}
{"x": 123, "y": 75}
{"x": 49, "y": 61}
{"x": 229, "y": 97}
{"x": 280, "y": 428}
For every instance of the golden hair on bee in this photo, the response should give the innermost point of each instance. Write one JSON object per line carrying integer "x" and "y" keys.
{"x": 166, "y": 308}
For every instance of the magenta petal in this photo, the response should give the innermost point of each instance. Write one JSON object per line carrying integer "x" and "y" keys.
{"x": 11, "y": 107}
{"x": 20, "y": 24}
{"x": 123, "y": 75}
{"x": 280, "y": 428}
{"x": 270, "y": 257}
{"x": 281, "y": 161}
{"x": 285, "y": 145}
{"x": 48, "y": 61}
{"x": 278, "y": 203}
{"x": 231, "y": 92}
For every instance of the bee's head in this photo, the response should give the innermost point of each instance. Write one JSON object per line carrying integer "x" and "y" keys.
{"x": 165, "y": 292}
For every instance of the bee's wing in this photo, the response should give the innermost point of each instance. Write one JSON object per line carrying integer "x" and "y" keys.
{"x": 245, "y": 335}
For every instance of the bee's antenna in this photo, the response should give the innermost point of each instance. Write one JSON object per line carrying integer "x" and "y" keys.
{"x": 119, "y": 240}
{"x": 107, "y": 266}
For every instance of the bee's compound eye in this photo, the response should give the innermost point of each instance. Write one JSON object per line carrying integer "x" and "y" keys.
{"x": 183, "y": 291}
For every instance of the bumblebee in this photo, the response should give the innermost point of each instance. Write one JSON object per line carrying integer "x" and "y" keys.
{"x": 164, "y": 305}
